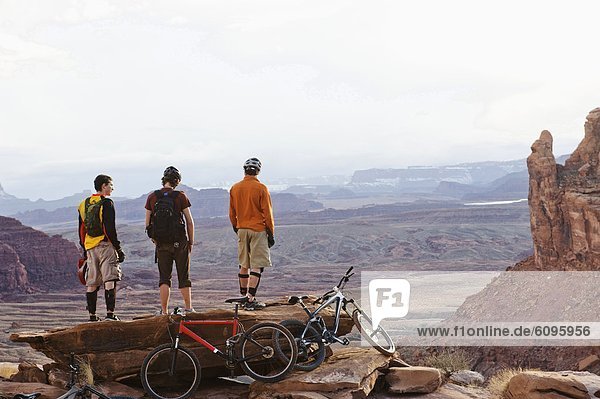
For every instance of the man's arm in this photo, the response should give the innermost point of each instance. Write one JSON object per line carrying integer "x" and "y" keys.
{"x": 148, "y": 216}
{"x": 108, "y": 220}
{"x": 81, "y": 234}
{"x": 232, "y": 213}
{"x": 189, "y": 225}
{"x": 267, "y": 211}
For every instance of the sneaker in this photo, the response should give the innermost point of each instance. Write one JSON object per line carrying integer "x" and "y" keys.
{"x": 178, "y": 311}
{"x": 191, "y": 310}
{"x": 93, "y": 317}
{"x": 111, "y": 317}
{"x": 254, "y": 305}
{"x": 159, "y": 313}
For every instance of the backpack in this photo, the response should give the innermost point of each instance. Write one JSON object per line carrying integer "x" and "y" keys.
{"x": 92, "y": 221}
{"x": 165, "y": 223}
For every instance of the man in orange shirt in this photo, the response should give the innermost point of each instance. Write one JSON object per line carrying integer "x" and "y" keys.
{"x": 251, "y": 215}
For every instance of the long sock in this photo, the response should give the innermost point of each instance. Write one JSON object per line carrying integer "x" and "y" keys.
{"x": 92, "y": 300}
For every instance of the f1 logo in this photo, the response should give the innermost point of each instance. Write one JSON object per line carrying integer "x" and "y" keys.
{"x": 389, "y": 299}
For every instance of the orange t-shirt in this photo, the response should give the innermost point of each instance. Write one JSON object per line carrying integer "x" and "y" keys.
{"x": 250, "y": 205}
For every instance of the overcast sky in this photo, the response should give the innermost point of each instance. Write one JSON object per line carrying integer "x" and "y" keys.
{"x": 310, "y": 87}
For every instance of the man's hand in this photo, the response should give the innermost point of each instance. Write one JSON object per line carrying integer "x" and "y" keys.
{"x": 270, "y": 238}
{"x": 190, "y": 245}
{"x": 120, "y": 255}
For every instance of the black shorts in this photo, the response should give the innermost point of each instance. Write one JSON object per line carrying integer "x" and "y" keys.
{"x": 169, "y": 253}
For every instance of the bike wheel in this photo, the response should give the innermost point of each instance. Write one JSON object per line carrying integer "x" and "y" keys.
{"x": 169, "y": 373}
{"x": 311, "y": 349}
{"x": 257, "y": 354}
{"x": 377, "y": 337}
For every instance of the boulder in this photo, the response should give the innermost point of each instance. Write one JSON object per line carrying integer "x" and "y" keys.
{"x": 588, "y": 362}
{"x": 9, "y": 389}
{"x": 348, "y": 373}
{"x": 467, "y": 378}
{"x": 446, "y": 391}
{"x": 116, "y": 350}
{"x": 413, "y": 379}
{"x": 544, "y": 385}
{"x": 29, "y": 372}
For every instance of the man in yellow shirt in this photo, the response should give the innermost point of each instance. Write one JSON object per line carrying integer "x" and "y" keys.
{"x": 251, "y": 215}
{"x": 101, "y": 247}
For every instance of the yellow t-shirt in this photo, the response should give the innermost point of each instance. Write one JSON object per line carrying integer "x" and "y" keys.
{"x": 91, "y": 242}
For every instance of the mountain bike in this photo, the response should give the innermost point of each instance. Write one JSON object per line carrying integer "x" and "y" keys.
{"x": 313, "y": 335}
{"x": 74, "y": 391}
{"x": 172, "y": 371}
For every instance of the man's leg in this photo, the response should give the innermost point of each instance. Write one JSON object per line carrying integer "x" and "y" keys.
{"x": 243, "y": 278}
{"x": 186, "y": 293}
{"x": 165, "y": 293}
{"x": 91, "y": 297}
{"x": 165, "y": 260}
{"x": 254, "y": 281}
{"x": 182, "y": 263}
{"x": 110, "y": 295}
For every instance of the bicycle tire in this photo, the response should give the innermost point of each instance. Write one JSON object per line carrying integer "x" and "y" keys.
{"x": 257, "y": 354}
{"x": 311, "y": 349}
{"x": 378, "y": 338}
{"x": 121, "y": 397}
{"x": 155, "y": 373}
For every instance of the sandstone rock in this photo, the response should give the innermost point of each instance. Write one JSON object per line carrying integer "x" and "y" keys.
{"x": 590, "y": 380}
{"x": 8, "y": 369}
{"x": 588, "y": 362}
{"x": 29, "y": 372}
{"x": 564, "y": 203}
{"x": 10, "y": 389}
{"x": 349, "y": 373}
{"x": 447, "y": 391}
{"x": 116, "y": 350}
{"x": 413, "y": 379}
{"x": 467, "y": 377}
{"x": 117, "y": 389}
{"x": 13, "y": 275}
{"x": 540, "y": 385}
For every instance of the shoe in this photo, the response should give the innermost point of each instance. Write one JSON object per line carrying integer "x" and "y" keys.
{"x": 112, "y": 317}
{"x": 159, "y": 313}
{"x": 254, "y": 305}
{"x": 177, "y": 311}
{"x": 93, "y": 317}
{"x": 191, "y": 310}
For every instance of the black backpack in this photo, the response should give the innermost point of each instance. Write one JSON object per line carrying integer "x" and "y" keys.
{"x": 166, "y": 224}
{"x": 92, "y": 222}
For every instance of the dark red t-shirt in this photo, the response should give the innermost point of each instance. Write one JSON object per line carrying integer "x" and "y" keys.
{"x": 181, "y": 202}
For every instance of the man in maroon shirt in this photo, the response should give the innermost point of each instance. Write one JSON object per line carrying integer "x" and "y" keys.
{"x": 166, "y": 210}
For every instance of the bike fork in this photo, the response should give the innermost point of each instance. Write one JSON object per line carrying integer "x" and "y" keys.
{"x": 174, "y": 356}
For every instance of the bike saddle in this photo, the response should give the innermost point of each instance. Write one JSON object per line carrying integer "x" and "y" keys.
{"x": 243, "y": 299}
{"x": 27, "y": 396}
{"x": 294, "y": 299}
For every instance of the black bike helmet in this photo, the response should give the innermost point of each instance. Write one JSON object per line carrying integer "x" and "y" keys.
{"x": 172, "y": 172}
{"x": 252, "y": 163}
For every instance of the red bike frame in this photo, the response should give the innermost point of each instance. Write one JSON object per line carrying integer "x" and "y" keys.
{"x": 183, "y": 329}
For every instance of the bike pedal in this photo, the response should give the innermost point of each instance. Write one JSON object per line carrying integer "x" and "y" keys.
{"x": 345, "y": 341}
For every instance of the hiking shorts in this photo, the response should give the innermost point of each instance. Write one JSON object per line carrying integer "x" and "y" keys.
{"x": 103, "y": 265}
{"x": 169, "y": 253}
{"x": 253, "y": 249}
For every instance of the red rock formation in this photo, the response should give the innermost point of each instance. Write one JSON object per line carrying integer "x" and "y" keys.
{"x": 31, "y": 259}
{"x": 13, "y": 275}
{"x": 564, "y": 203}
